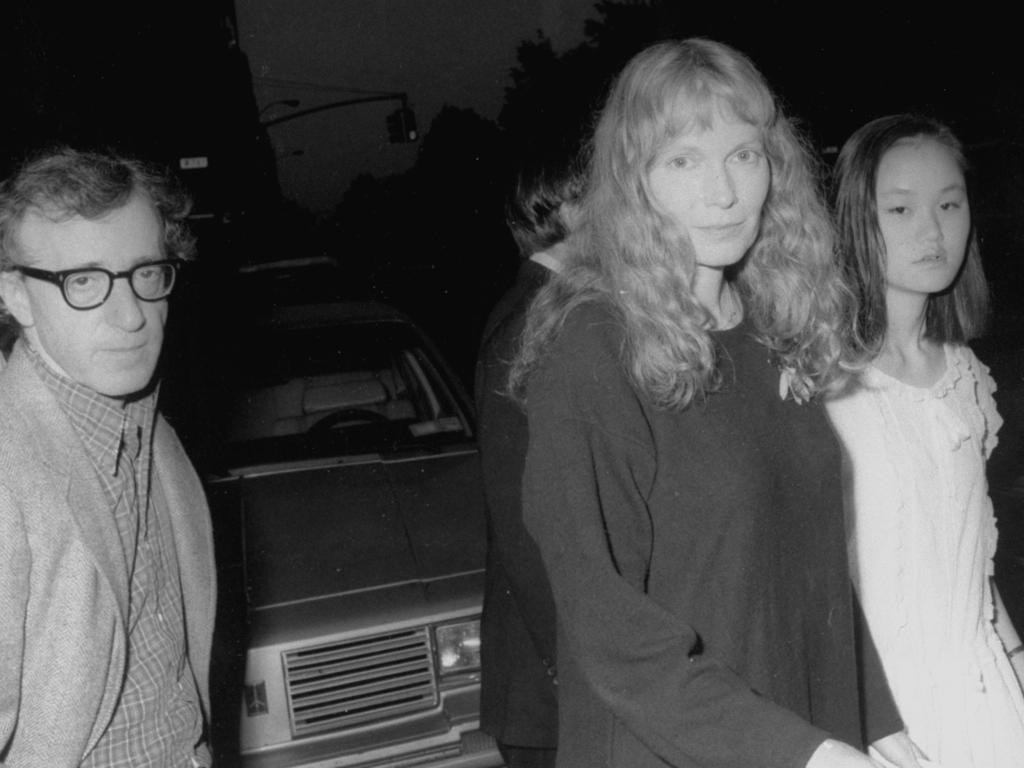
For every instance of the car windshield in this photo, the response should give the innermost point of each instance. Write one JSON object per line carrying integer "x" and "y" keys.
{"x": 354, "y": 388}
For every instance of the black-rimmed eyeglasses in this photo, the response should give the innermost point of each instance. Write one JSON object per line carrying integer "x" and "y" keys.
{"x": 89, "y": 288}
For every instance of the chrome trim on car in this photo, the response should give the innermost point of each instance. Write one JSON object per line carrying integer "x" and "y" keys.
{"x": 283, "y": 467}
{"x": 429, "y": 456}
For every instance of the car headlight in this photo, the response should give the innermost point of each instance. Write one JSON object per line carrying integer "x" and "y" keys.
{"x": 458, "y": 647}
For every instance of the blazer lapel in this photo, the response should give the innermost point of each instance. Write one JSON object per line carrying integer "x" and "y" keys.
{"x": 193, "y": 543}
{"x": 62, "y": 452}
{"x": 97, "y": 528}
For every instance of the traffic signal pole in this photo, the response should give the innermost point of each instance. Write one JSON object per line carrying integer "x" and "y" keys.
{"x": 401, "y": 122}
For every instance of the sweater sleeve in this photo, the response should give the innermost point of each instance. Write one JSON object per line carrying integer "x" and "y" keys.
{"x": 14, "y": 570}
{"x": 589, "y": 470}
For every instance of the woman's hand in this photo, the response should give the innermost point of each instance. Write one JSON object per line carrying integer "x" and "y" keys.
{"x": 898, "y": 749}
{"x": 836, "y": 754}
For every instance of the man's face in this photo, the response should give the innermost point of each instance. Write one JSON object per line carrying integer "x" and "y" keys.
{"x": 112, "y": 349}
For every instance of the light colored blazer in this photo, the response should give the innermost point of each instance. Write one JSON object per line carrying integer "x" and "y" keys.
{"x": 63, "y": 577}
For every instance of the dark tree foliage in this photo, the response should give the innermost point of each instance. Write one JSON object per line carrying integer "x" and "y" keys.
{"x": 433, "y": 240}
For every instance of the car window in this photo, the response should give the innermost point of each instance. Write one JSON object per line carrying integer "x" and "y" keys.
{"x": 354, "y": 388}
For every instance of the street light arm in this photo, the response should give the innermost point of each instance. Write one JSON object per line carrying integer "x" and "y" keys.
{"x": 333, "y": 104}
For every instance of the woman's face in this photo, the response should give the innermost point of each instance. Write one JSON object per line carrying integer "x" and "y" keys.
{"x": 712, "y": 185}
{"x": 923, "y": 215}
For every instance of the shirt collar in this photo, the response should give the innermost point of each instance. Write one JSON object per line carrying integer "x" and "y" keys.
{"x": 551, "y": 258}
{"x": 101, "y": 422}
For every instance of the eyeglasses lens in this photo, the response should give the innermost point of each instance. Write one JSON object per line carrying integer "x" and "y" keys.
{"x": 88, "y": 288}
{"x": 153, "y": 281}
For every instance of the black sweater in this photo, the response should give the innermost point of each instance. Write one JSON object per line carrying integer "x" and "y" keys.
{"x": 698, "y": 563}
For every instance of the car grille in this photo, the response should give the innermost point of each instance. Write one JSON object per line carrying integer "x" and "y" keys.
{"x": 347, "y": 683}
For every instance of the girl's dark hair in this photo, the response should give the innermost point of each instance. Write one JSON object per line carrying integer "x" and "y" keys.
{"x": 955, "y": 315}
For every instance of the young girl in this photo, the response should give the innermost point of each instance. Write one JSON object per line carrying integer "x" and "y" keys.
{"x": 684, "y": 492}
{"x": 917, "y": 431}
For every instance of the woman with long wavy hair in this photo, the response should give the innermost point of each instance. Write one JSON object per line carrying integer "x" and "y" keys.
{"x": 682, "y": 481}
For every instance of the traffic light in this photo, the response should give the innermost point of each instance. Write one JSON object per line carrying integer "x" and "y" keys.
{"x": 402, "y": 126}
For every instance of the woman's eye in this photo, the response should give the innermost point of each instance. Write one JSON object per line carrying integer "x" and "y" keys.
{"x": 680, "y": 162}
{"x": 951, "y": 205}
{"x": 897, "y": 210}
{"x": 747, "y": 155}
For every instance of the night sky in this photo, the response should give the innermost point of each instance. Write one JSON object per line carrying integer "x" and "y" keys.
{"x": 189, "y": 77}
{"x": 192, "y": 79}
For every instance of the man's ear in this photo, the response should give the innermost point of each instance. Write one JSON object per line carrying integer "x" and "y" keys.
{"x": 15, "y": 297}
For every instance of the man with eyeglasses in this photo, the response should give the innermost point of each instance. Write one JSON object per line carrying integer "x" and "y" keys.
{"x": 107, "y": 584}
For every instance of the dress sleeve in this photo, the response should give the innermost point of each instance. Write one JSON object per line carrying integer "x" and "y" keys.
{"x": 589, "y": 470}
{"x": 986, "y": 387}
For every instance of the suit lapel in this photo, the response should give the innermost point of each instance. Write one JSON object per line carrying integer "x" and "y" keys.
{"x": 61, "y": 450}
{"x": 193, "y": 542}
{"x": 94, "y": 517}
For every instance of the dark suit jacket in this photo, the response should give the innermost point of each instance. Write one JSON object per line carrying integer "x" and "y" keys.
{"x": 518, "y": 704}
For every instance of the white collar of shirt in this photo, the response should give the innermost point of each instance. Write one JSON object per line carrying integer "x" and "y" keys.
{"x": 545, "y": 259}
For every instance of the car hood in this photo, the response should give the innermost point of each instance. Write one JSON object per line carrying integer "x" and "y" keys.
{"x": 360, "y": 524}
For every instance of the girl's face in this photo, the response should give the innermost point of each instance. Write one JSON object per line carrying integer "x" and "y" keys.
{"x": 923, "y": 215}
{"x": 712, "y": 184}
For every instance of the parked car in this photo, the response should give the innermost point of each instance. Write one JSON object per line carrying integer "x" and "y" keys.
{"x": 348, "y": 514}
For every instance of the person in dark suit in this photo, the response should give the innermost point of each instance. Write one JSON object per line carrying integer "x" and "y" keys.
{"x": 518, "y": 697}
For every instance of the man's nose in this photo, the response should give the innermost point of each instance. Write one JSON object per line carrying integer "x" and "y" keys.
{"x": 123, "y": 307}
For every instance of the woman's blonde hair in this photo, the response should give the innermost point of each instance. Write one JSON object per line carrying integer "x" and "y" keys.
{"x": 629, "y": 256}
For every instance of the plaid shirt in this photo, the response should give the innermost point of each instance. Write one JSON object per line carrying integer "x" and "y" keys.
{"x": 158, "y": 720}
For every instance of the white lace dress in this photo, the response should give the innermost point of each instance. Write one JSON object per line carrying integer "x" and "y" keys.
{"x": 922, "y": 538}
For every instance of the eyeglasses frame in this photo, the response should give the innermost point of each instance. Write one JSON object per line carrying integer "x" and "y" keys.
{"x": 60, "y": 277}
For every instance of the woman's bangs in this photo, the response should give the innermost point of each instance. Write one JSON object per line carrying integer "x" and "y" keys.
{"x": 697, "y": 107}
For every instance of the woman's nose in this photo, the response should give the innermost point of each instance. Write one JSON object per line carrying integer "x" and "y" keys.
{"x": 719, "y": 188}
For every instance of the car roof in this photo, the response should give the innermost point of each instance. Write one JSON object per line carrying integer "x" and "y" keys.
{"x": 288, "y": 267}
{"x": 332, "y": 313}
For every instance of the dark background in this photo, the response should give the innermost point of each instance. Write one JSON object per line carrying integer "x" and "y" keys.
{"x": 169, "y": 80}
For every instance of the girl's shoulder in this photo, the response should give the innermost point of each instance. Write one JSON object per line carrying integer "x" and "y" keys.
{"x": 967, "y": 369}
{"x": 975, "y": 387}
{"x": 966, "y": 356}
